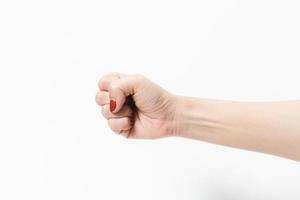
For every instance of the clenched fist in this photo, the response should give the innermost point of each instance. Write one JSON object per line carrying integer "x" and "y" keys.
{"x": 135, "y": 107}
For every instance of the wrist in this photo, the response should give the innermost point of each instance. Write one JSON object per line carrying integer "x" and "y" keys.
{"x": 194, "y": 118}
{"x": 183, "y": 108}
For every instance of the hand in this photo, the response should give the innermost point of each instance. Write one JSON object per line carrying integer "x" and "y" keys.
{"x": 135, "y": 107}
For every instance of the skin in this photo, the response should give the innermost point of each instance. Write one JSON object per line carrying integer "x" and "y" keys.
{"x": 144, "y": 110}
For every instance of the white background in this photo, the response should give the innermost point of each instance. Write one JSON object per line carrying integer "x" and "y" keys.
{"x": 54, "y": 144}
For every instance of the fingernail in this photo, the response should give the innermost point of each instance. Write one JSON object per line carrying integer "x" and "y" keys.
{"x": 112, "y": 105}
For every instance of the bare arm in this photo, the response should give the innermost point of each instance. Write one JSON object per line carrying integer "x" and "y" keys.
{"x": 268, "y": 127}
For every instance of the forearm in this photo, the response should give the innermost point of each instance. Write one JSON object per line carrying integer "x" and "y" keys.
{"x": 269, "y": 127}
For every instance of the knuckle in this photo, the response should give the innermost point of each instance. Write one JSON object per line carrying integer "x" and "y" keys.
{"x": 119, "y": 125}
{"x": 97, "y": 98}
{"x": 111, "y": 124}
{"x": 104, "y": 111}
{"x": 105, "y": 78}
{"x": 114, "y": 125}
{"x": 112, "y": 86}
{"x": 103, "y": 98}
{"x": 100, "y": 83}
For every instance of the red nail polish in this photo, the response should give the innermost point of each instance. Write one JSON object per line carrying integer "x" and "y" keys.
{"x": 112, "y": 105}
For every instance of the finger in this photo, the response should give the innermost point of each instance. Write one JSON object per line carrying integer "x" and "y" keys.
{"x": 121, "y": 88}
{"x": 105, "y": 81}
{"x": 126, "y": 111}
{"x": 102, "y": 98}
{"x": 120, "y": 124}
{"x": 126, "y": 133}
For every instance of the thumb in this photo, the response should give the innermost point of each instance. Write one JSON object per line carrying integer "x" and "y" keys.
{"x": 120, "y": 89}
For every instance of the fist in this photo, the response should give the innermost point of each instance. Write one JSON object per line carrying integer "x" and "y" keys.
{"x": 135, "y": 107}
